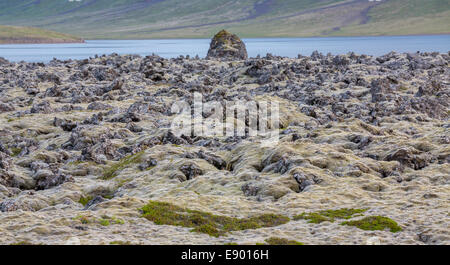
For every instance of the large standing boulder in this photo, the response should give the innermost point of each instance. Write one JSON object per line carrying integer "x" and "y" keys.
{"x": 227, "y": 46}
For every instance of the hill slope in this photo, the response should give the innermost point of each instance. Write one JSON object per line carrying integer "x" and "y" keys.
{"x": 14, "y": 34}
{"x": 248, "y": 18}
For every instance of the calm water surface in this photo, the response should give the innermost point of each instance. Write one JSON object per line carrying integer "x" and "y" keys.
{"x": 289, "y": 47}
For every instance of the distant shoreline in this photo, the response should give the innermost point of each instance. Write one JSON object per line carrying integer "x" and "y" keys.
{"x": 287, "y": 47}
{"x": 38, "y": 41}
{"x": 281, "y": 37}
{"x": 19, "y": 41}
{"x": 30, "y": 35}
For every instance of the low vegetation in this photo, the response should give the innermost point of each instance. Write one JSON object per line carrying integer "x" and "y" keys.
{"x": 375, "y": 223}
{"x": 22, "y": 243}
{"x": 329, "y": 215}
{"x": 282, "y": 241}
{"x": 13, "y": 34}
{"x": 84, "y": 200}
{"x": 16, "y": 151}
{"x": 125, "y": 162}
{"x": 83, "y": 219}
{"x": 118, "y": 242}
{"x": 104, "y": 221}
{"x": 162, "y": 213}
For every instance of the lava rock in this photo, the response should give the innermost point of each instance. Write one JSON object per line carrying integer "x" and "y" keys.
{"x": 214, "y": 160}
{"x": 409, "y": 157}
{"x": 227, "y": 46}
{"x": 379, "y": 89}
{"x": 5, "y": 107}
{"x": 66, "y": 125}
{"x": 5, "y": 161}
{"x": 98, "y": 106}
{"x": 96, "y": 200}
{"x": 191, "y": 171}
{"x": 42, "y": 107}
{"x": 45, "y": 179}
{"x": 305, "y": 180}
{"x": 250, "y": 189}
{"x": 148, "y": 164}
{"x": 3, "y": 61}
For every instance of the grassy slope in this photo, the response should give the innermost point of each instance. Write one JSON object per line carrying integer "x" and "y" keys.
{"x": 397, "y": 17}
{"x": 249, "y": 18}
{"x": 15, "y": 34}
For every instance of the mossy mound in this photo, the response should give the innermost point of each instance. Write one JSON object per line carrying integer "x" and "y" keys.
{"x": 281, "y": 241}
{"x": 16, "y": 151}
{"x": 375, "y": 223}
{"x": 162, "y": 213}
{"x": 118, "y": 242}
{"x": 329, "y": 215}
{"x": 125, "y": 162}
{"x": 22, "y": 243}
{"x": 85, "y": 200}
{"x": 104, "y": 221}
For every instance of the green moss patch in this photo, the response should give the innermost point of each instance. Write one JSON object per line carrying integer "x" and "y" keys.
{"x": 329, "y": 215}
{"x": 83, "y": 219}
{"x": 281, "y": 241}
{"x": 375, "y": 223}
{"x": 104, "y": 222}
{"x": 16, "y": 151}
{"x": 21, "y": 243}
{"x": 120, "y": 242}
{"x": 117, "y": 221}
{"x": 85, "y": 200}
{"x": 162, "y": 213}
{"x": 125, "y": 162}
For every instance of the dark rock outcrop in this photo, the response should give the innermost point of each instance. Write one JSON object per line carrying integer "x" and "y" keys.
{"x": 227, "y": 46}
{"x": 3, "y": 61}
{"x": 409, "y": 157}
{"x": 46, "y": 179}
{"x": 191, "y": 171}
{"x": 5, "y": 107}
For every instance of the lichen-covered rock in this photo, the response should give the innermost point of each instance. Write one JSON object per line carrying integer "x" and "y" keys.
{"x": 227, "y": 46}
{"x": 46, "y": 179}
{"x": 42, "y": 107}
{"x": 191, "y": 170}
{"x": 94, "y": 201}
{"x": 379, "y": 89}
{"x": 98, "y": 106}
{"x": 66, "y": 125}
{"x": 305, "y": 180}
{"x": 5, "y": 161}
{"x": 3, "y": 61}
{"x": 410, "y": 157}
{"x": 10, "y": 179}
{"x": 5, "y": 107}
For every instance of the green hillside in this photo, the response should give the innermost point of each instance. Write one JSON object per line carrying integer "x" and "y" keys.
{"x": 14, "y": 34}
{"x": 120, "y": 19}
